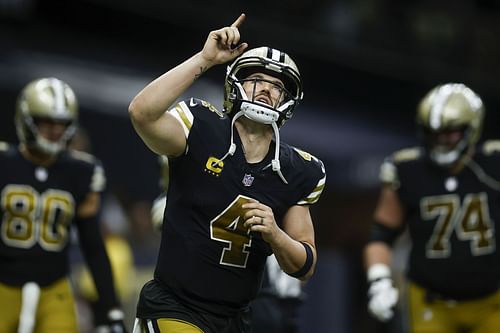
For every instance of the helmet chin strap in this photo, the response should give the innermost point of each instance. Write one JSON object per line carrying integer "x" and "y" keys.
{"x": 258, "y": 113}
{"x": 446, "y": 159}
{"x": 49, "y": 147}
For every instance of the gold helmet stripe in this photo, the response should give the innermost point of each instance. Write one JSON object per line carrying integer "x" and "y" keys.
{"x": 440, "y": 99}
{"x": 58, "y": 90}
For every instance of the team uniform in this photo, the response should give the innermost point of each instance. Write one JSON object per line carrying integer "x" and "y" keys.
{"x": 453, "y": 266}
{"x": 207, "y": 259}
{"x": 38, "y": 208}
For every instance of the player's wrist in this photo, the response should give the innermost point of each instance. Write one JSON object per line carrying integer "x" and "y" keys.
{"x": 114, "y": 322}
{"x": 115, "y": 314}
{"x": 378, "y": 271}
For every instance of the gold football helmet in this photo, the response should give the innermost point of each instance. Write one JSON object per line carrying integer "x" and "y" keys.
{"x": 450, "y": 107}
{"x": 269, "y": 61}
{"x": 46, "y": 99}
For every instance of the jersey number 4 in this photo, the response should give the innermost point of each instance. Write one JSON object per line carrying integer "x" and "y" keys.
{"x": 30, "y": 217}
{"x": 228, "y": 227}
{"x": 471, "y": 222}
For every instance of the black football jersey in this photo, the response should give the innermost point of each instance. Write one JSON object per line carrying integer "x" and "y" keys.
{"x": 452, "y": 220}
{"x": 207, "y": 258}
{"x": 37, "y": 208}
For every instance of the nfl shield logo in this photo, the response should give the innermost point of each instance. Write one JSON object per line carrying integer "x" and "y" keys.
{"x": 248, "y": 180}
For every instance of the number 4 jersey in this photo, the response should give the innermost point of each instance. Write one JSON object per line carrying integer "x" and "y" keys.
{"x": 37, "y": 208}
{"x": 207, "y": 258}
{"x": 452, "y": 220}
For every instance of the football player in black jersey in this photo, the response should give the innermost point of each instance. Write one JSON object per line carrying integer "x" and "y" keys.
{"x": 45, "y": 189}
{"x": 447, "y": 193}
{"x": 276, "y": 306}
{"x": 236, "y": 194}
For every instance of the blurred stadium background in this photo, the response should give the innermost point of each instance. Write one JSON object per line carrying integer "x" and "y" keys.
{"x": 365, "y": 65}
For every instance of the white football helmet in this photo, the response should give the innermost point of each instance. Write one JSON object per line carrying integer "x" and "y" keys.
{"x": 269, "y": 61}
{"x": 448, "y": 107}
{"x": 49, "y": 99}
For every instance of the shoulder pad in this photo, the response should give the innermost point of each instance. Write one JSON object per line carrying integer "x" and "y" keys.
{"x": 309, "y": 157}
{"x": 98, "y": 181}
{"x": 211, "y": 107}
{"x": 491, "y": 146}
{"x": 388, "y": 173}
{"x": 319, "y": 177}
{"x": 407, "y": 154}
{"x": 305, "y": 155}
{"x": 82, "y": 156}
{"x": 4, "y": 146}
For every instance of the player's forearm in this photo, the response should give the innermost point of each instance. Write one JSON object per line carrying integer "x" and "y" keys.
{"x": 159, "y": 95}
{"x": 377, "y": 253}
{"x": 95, "y": 254}
{"x": 295, "y": 258}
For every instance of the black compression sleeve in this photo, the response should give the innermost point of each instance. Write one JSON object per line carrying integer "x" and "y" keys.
{"x": 94, "y": 251}
{"x": 382, "y": 233}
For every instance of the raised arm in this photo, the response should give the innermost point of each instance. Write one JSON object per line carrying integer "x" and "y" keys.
{"x": 160, "y": 131}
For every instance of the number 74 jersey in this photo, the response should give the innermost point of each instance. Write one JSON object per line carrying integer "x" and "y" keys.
{"x": 453, "y": 220}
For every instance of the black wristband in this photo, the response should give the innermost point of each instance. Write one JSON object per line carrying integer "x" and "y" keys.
{"x": 382, "y": 233}
{"x": 307, "y": 264}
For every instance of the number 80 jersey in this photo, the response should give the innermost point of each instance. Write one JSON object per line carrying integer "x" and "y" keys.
{"x": 207, "y": 258}
{"x": 37, "y": 207}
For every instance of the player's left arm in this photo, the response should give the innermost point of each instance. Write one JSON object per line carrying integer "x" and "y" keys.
{"x": 293, "y": 244}
{"x": 296, "y": 249}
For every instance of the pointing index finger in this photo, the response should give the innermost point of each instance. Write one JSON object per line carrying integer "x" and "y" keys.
{"x": 239, "y": 20}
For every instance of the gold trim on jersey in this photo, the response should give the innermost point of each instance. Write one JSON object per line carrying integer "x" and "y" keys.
{"x": 98, "y": 181}
{"x": 4, "y": 146}
{"x": 389, "y": 174}
{"x": 182, "y": 113}
{"x": 313, "y": 197}
{"x": 407, "y": 154}
{"x": 211, "y": 108}
{"x": 82, "y": 156}
{"x": 491, "y": 146}
{"x": 305, "y": 155}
